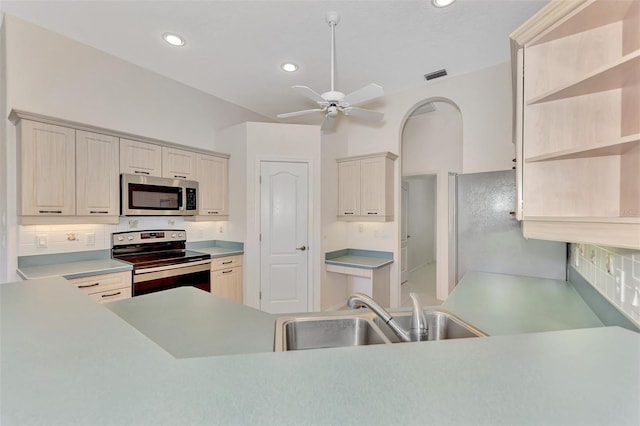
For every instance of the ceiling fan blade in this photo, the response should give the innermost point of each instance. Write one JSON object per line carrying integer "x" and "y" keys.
{"x": 364, "y": 114}
{"x": 364, "y": 94}
{"x": 329, "y": 123}
{"x": 294, "y": 114}
{"x": 309, "y": 93}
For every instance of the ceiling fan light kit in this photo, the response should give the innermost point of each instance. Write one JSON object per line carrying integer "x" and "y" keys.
{"x": 334, "y": 102}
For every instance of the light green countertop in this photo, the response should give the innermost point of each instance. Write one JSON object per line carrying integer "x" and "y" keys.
{"x": 219, "y": 251}
{"x": 508, "y": 304}
{"x": 188, "y": 325}
{"x": 78, "y": 269}
{"x": 67, "y": 360}
{"x": 356, "y": 258}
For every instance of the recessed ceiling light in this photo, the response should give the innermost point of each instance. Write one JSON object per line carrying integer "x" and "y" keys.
{"x": 173, "y": 39}
{"x": 289, "y": 67}
{"x": 442, "y": 3}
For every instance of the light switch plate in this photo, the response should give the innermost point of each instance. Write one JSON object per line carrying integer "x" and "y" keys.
{"x": 41, "y": 240}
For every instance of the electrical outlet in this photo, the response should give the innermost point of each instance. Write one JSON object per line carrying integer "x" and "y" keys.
{"x": 41, "y": 240}
{"x": 91, "y": 239}
{"x": 221, "y": 229}
{"x": 360, "y": 227}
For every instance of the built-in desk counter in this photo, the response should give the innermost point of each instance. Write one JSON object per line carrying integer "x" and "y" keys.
{"x": 367, "y": 271}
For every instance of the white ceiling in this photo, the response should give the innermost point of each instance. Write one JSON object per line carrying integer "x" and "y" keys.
{"x": 235, "y": 48}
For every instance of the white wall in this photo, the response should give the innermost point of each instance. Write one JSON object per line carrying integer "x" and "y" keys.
{"x": 52, "y": 75}
{"x": 3, "y": 154}
{"x": 276, "y": 142}
{"x": 484, "y": 99}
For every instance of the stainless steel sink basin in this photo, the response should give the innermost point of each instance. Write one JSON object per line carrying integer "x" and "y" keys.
{"x": 442, "y": 325}
{"x": 361, "y": 327}
{"x": 326, "y": 332}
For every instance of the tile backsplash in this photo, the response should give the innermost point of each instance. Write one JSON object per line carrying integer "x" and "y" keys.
{"x": 74, "y": 238}
{"x": 614, "y": 272}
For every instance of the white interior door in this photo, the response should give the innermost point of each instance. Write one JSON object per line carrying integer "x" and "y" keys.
{"x": 284, "y": 220}
{"x": 404, "y": 237}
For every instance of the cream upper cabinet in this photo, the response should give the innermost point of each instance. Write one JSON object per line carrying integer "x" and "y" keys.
{"x": 97, "y": 178}
{"x": 349, "y": 188}
{"x": 140, "y": 158}
{"x": 47, "y": 169}
{"x": 178, "y": 163}
{"x": 365, "y": 187}
{"x": 213, "y": 191}
{"x": 577, "y": 70}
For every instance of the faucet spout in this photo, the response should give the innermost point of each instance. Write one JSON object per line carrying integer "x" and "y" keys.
{"x": 419, "y": 327}
{"x": 359, "y": 299}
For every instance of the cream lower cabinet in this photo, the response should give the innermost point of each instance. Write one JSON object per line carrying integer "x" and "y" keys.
{"x": 226, "y": 277}
{"x": 105, "y": 287}
{"x": 366, "y": 187}
{"x": 577, "y": 74}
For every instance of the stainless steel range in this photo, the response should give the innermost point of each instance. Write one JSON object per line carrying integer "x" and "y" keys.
{"x": 161, "y": 261}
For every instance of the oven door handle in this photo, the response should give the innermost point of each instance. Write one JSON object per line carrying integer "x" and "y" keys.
{"x": 168, "y": 268}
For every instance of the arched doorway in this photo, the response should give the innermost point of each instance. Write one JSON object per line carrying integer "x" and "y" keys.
{"x": 431, "y": 148}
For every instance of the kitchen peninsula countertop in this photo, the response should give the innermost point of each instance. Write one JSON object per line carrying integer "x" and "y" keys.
{"x": 68, "y": 360}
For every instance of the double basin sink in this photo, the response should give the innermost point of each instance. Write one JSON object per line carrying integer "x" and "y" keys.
{"x": 362, "y": 327}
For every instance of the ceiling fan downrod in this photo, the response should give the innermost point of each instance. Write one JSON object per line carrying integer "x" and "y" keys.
{"x": 332, "y": 19}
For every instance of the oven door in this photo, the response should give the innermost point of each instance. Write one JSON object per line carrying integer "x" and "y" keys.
{"x": 196, "y": 274}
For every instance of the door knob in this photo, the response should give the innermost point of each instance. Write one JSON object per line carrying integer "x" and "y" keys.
{"x": 301, "y": 248}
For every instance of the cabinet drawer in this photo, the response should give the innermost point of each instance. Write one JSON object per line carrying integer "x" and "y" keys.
{"x": 104, "y": 282}
{"x": 226, "y": 262}
{"x": 112, "y": 295}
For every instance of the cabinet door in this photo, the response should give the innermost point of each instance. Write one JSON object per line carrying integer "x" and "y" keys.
{"x": 372, "y": 186}
{"x": 213, "y": 179}
{"x": 349, "y": 188}
{"x": 227, "y": 283}
{"x": 178, "y": 163}
{"x": 48, "y": 165}
{"x": 97, "y": 158}
{"x": 140, "y": 158}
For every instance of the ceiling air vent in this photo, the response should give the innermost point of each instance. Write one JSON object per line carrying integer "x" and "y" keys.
{"x": 435, "y": 74}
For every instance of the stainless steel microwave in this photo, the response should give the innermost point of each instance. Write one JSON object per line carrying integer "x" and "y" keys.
{"x": 156, "y": 196}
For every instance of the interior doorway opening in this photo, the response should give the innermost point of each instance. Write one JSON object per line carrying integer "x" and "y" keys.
{"x": 418, "y": 245}
{"x": 431, "y": 148}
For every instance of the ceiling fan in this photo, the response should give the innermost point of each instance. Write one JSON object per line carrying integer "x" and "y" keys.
{"x": 334, "y": 102}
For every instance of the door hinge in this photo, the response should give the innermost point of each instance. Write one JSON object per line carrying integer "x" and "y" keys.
{"x": 259, "y": 179}
{"x": 260, "y": 295}
{"x": 260, "y": 236}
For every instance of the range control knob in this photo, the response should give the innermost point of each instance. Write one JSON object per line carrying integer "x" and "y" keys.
{"x": 173, "y": 235}
{"x": 130, "y": 237}
{"x": 180, "y": 235}
{"x": 120, "y": 238}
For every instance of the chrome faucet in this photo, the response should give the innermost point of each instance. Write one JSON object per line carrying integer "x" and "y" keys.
{"x": 419, "y": 328}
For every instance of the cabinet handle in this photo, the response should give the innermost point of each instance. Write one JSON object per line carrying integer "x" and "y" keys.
{"x": 372, "y": 213}
{"x": 88, "y": 285}
{"x": 348, "y": 212}
{"x": 182, "y": 177}
{"x": 111, "y": 295}
{"x": 227, "y": 262}
{"x": 141, "y": 173}
{"x": 212, "y": 212}
{"x": 226, "y": 272}
{"x": 512, "y": 213}
{"x": 98, "y": 212}
{"x": 51, "y": 211}
{"x": 301, "y": 248}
